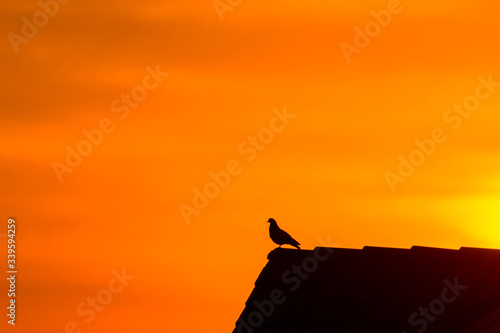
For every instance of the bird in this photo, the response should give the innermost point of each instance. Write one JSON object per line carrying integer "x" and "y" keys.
{"x": 279, "y": 236}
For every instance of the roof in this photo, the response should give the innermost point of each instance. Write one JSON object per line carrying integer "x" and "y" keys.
{"x": 376, "y": 290}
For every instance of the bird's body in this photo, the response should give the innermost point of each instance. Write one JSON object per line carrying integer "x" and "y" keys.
{"x": 279, "y": 236}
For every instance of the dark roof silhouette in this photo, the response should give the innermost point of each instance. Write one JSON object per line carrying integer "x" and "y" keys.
{"x": 376, "y": 290}
{"x": 280, "y": 236}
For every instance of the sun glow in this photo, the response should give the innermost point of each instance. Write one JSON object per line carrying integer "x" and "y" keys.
{"x": 477, "y": 215}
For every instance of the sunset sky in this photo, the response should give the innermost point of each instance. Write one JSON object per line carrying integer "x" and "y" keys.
{"x": 327, "y": 170}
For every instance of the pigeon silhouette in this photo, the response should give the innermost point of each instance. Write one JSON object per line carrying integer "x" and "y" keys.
{"x": 279, "y": 236}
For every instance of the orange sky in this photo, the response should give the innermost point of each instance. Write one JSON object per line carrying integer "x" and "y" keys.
{"x": 322, "y": 176}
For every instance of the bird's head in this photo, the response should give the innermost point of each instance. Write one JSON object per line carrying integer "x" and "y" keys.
{"x": 271, "y": 221}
